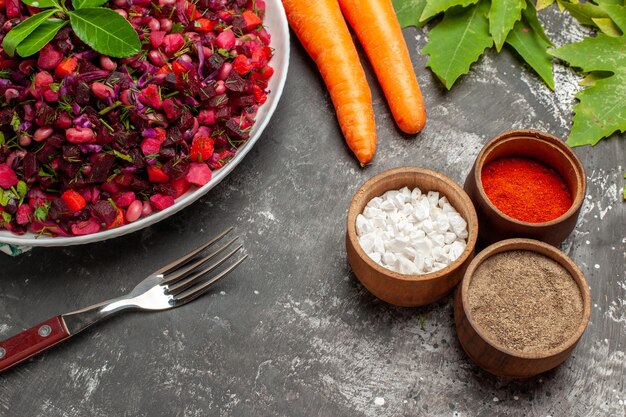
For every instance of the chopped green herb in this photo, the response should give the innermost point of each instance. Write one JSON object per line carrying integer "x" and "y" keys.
{"x": 16, "y": 122}
{"x": 177, "y": 27}
{"x": 6, "y": 217}
{"x": 41, "y": 212}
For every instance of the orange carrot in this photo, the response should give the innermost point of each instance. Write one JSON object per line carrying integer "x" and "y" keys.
{"x": 324, "y": 34}
{"x": 376, "y": 26}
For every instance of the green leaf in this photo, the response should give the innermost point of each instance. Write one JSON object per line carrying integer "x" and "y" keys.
{"x": 530, "y": 14}
{"x": 83, "y": 4}
{"x": 434, "y": 7}
{"x": 41, "y": 213}
{"x": 458, "y": 41}
{"x": 41, "y": 4}
{"x": 607, "y": 26}
{"x": 40, "y": 37}
{"x": 105, "y": 31}
{"x": 602, "y": 53}
{"x": 591, "y": 78}
{"x": 1, "y": 138}
{"x": 502, "y": 17}
{"x": 585, "y": 12}
{"x": 409, "y": 12}
{"x": 532, "y": 46}
{"x": 21, "y": 31}
{"x": 542, "y": 4}
{"x": 601, "y": 110}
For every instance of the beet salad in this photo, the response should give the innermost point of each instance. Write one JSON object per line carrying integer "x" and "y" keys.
{"x": 89, "y": 141}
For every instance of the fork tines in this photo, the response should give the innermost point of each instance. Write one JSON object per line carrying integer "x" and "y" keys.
{"x": 183, "y": 278}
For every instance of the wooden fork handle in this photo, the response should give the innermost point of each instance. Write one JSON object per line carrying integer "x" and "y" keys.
{"x": 32, "y": 341}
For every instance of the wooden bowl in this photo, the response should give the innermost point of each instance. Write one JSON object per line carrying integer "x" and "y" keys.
{"x": 552, "y": 151}
{"x": 390, "y": 286}
{"x": 488, "y": 353}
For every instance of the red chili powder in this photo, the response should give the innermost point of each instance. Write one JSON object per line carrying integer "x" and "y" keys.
{"x": 526, "y": 189}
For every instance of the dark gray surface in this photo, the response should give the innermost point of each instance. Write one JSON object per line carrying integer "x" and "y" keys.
{"x": 292, "y": 333}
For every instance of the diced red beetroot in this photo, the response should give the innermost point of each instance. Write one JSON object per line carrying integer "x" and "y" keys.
{"x": 161, "y": 134}
{"x": 51, "y": 96}
{"x": 202, "y": 131}
{"x": 80, "y": 135}
{"x": 41, "y": 81}
{"x": 118, "y": 220}
{"x": 181, "y": 186}
{"x": 172, "y": 111}
{"x": 8, "y": 178}
{"x": 251, "y": 19}
{"x": 259, "y": 5}
{"x": 172, "y": 43}
{"x": 13, "y": 9}
{"x": 124, "y": 179}
{"x": 226, "y": 39}
{"x": 265, "y": 36}
{"x": 110, "y": 187}
{"x": 150, "y": 96}
{"x": 86, "y": 227}
{"x": 49, "y": 57}
{"x": 150, "y": 146}
{"x": 207, "y": 117}
{"x": 24, "y": 214}
{"x": 161, "y": 202}
{"x": 156, "y": 175}
{"x": 125, "y": 199}
{"x": 102, "y": 91}
{"x": 105, "y": 211}
{"x": 156, "y": 38}
{"x": 199, "y": 173}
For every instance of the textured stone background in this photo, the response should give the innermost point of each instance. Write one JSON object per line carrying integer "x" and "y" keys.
{"x": 292, "y": 333}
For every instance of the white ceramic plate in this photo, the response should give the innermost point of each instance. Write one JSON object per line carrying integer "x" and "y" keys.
{"x": 276, "y": 23}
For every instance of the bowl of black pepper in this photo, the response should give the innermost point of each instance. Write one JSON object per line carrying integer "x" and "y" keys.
{"x": 521, "y": 309}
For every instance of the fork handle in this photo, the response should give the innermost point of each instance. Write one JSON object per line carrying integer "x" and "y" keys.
{"x": 32, "y": 341}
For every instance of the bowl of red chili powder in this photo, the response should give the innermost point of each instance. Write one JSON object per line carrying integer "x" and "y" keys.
{"x": 526, "y": 183}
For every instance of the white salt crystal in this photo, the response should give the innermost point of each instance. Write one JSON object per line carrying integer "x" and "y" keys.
{"x": 367, "y": 242}
{"x": 428, "y": 226}
{"x": 363, "y": 225}
{"x": 416, "y": 193}
{"x": 443, "y": 224}
{"x": 375, "y": 202}
{"x": 411, "y": 232}
{"x": 376, "y": 257}
{"x": 389, "y": 258}
{"x": 387, "y": 205}
{"x": 406, "y": 266}
{"x": 373, "y": 213}
{"x": 433, "y": 198}
{"x": 457, "y": 248}
{"x": 422, "y": 210}
{"x": 457, "y": 223}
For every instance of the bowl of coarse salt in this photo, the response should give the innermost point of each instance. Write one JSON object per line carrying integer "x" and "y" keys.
{"x": 410, "y": 235}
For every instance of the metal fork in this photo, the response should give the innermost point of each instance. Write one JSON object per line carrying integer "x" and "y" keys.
{"x": 171, "y": 286}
